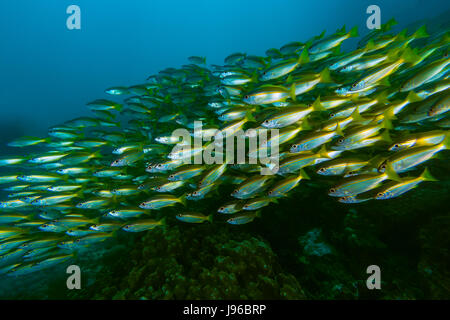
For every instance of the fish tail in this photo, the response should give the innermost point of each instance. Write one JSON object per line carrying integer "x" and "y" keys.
{"x": 353, "y": 32}
{"x": 304, "y": 57}
{"x": 163, "y": 222}
{"x": 258, "y": 214}
{"x": 304, "y": 175}
{"x": 183, "y": 200}
{"x": 420, "y": 33}
{"x": 446, "y": 142}
{"x": 325, "y": 76}
{"x": 317, "y": 105}
{"x": 413, "y": 97}
{"x": 385, "y": 136}
{"x": 409, "y": 56}
{"x": 391, "y": 174}
{"x": 388, "y": 25}
{"x": 426, "y": 175}
{"x": 292, "y": 92}
{"x": 210, "y": 218}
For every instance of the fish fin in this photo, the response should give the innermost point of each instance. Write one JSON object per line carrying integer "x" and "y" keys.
{"x": 162, "y": 222}
{"x": 320, "y": 36}
{"x": 385, "y": 82}
{"x": 341, "y": 30}
{"x": 401, "y": 36}
{"x": 426, "y": 176}
{"x": 385, "y": 136}
{"x": 382, "y": 97}
{"x": 420, "y": 33}
{"x": 249, "y": 116}
{"x": 274, "y": 200}
{"x": 409, "y": 56}
{"x": 304, "y": 175}
{"x": 304, "y": 57}
{"x": 375, "y": 161}
{"x": 391, "y": 174}
{"x": 183, "y": 200}
{"x": 388, "y": 25}
{"x": 210, "y": 218}
{"x": 356, "y": 116}
{"x": 413, "y": 97}
{"x": 305, "y": 124}
{"x": 353, "y": 32}
{"x": 325, "y": 76}
{"x": 97, "y": 154}
{"x": 337, "y": 50}
{"x": 258, "y": 214}
{"x": 389, "y": 115}
{"x": 293, "y": 96}
{"x": 338, "y": 130}
{"x": 446, "y": 142}
{"x": 317, "y": 105}
{"x": 289, "y": 79}
{"x": 370, "y": 46}
{"x": 323, "y": 152}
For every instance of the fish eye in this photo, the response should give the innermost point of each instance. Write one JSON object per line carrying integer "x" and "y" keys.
{"x": 332, "y": 115}
{"x": 396, "y": 145}
{"x": 380, "y": 194}
{"x": 341, "y": 140}
{"x": 221, "y": 208}
{"x": 194, "y": 193}
{"x": 270, "y": 192}
{"x": 246, "y": 97}
{"x": 294, "y": 146}
{"x": 332, "y": 190}
{"x": 171, "y": 176}
{"x": 322, "y": 170}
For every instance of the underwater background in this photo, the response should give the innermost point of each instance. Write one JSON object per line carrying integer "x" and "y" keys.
{"x": 306, "y": 247}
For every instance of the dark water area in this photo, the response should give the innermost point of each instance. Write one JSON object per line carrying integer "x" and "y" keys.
{"x": 307, "y": 246}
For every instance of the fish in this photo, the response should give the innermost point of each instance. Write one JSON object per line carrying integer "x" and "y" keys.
{"x": 193, "y": 217}
{"x": 362, "y": 120}
{"x": 143, "y": 225}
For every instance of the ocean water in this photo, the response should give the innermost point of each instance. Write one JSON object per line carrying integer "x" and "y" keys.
{"x": 307, "y": 246}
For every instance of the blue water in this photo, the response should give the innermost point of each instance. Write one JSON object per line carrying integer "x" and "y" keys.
{"x": 48, "y": 72}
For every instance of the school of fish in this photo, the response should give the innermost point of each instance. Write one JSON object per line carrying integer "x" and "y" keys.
{"x": 367, "y": 120}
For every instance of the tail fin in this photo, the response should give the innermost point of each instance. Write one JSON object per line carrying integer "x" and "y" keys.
{"x": 162, "y": 222}
{"x": 413, "y": 97}
{"x": 325, "y": 76}
{"x": 409, "y": 56}
{"x": 304, "y": 57}
{"x": 391, "y": 174}
{"x": 426, "y": 176}
{"x": 183, "y": 200}
{"x": 420, "y": 33}
{"x": 317, "y": 105}
{"x": 210, "y": 218}
{"x": 388, "y": 25}
{"x": 304, "y": 175}
{"x": 353, "y": 32}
